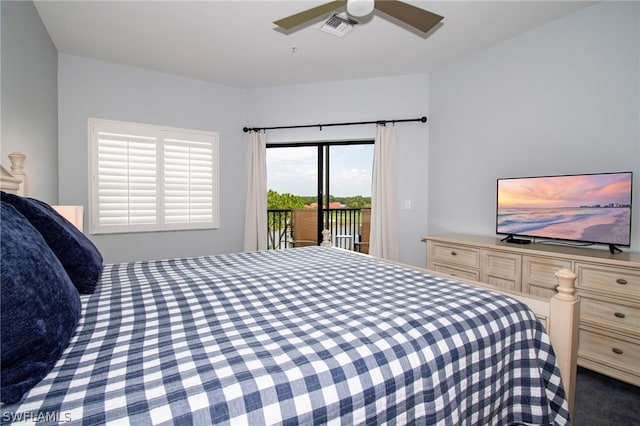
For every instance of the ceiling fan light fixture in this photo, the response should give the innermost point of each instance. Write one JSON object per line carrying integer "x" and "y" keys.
{"x": 415, "y": 17}
{"x": 360, "y": 8}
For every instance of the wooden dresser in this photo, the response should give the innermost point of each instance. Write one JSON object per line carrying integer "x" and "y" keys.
{"x": 608, "y": 286}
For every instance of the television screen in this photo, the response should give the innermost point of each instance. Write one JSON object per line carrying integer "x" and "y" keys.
{"x": 591, "y": 208}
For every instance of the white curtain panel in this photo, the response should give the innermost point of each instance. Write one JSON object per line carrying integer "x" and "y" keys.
{"x": 384, "y": 223}
{"x": 255, "y": 223}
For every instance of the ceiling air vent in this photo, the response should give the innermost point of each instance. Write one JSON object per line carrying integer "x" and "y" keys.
{"x": 338, "y": 26}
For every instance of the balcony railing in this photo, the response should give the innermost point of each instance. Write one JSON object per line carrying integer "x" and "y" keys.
{"x": 345, "y": 226}
{"x": 279, "y": 229}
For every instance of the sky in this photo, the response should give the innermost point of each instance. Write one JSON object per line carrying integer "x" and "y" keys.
{"x": 566, "y": 191}
{"x": 294, "y": 170}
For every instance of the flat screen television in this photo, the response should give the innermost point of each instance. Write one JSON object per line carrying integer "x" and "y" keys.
{"x": 586, "y": 208}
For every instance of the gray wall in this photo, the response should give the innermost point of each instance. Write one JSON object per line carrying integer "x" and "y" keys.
{"x": 29, "y": 97}
{"x": 563, "y": 98}
{"x": 91, "y": 88}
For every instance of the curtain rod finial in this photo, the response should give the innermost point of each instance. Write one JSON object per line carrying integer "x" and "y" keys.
{"x": 423, "y": 119}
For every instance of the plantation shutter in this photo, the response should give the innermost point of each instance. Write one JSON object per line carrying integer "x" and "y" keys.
{"x": 147, "y": 178}
{"x": 188, "y": 181}
{"x": 127, "y": 182}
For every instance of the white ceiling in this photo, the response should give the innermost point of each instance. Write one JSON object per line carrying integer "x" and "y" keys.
{"x": 235, "y": 42}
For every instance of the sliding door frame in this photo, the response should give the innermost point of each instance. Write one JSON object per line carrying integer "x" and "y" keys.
{"x": 323, "y": 171}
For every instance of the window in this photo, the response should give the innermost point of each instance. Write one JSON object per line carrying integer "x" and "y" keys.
{"x": 150, "y": 178}
{"x": 319, "y": 185}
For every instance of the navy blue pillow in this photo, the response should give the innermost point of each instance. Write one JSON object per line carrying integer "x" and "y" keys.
{"x": 78, "y": 255}
{"x": 39, "y": 306}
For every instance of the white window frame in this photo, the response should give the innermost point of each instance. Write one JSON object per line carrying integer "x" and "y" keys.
{"x": 162, "y": 137}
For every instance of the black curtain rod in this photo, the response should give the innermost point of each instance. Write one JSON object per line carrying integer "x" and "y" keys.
{"x": 256, "y": 129}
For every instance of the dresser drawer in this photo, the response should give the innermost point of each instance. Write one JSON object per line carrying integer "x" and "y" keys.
{"x": 502, "y": 269}
{"x": 621, "y": 354}
{"x": 624, "y": 317}
{"x": 538, "y": 274}
{"x": 622, "y": 282}
{"x": 456, "y": 272}
{"x": 456, "y": 255}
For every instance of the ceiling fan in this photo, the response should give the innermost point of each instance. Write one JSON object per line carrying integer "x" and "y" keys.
{"x": 417, "y": 18}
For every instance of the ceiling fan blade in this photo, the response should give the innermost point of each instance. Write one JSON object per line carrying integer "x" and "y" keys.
{"x": 302, "y": 17}
{"x": 419, "y": 19}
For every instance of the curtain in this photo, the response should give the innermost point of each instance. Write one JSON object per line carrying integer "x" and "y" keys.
{"x": 255, "y": 223}
{"x": 384, "y": 225}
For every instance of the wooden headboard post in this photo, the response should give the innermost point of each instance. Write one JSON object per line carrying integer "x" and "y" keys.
{"x": 14, "y": 181}
{"x": 17, "y": 170}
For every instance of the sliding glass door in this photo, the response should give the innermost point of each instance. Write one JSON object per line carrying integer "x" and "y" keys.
{"x": 316, "y": 186}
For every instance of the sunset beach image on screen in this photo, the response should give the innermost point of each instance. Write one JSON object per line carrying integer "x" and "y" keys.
{"x": 593, "y": 208}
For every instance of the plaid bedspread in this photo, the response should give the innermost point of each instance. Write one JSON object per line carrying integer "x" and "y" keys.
{"x": 300, "y": 336}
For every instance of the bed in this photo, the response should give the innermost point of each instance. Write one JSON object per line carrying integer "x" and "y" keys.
{"x": 312, "y": 335}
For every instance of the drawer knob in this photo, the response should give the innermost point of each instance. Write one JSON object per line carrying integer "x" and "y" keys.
{"x": 621, "y": 281}
{"x": 453, "y": 253}
{"x": 617, "y": 351}
{"x": 619, "y": 315}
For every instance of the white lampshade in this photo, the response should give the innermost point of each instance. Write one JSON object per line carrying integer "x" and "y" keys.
{"x": 360, "y": 8}
{"x": 72, "y": 213}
